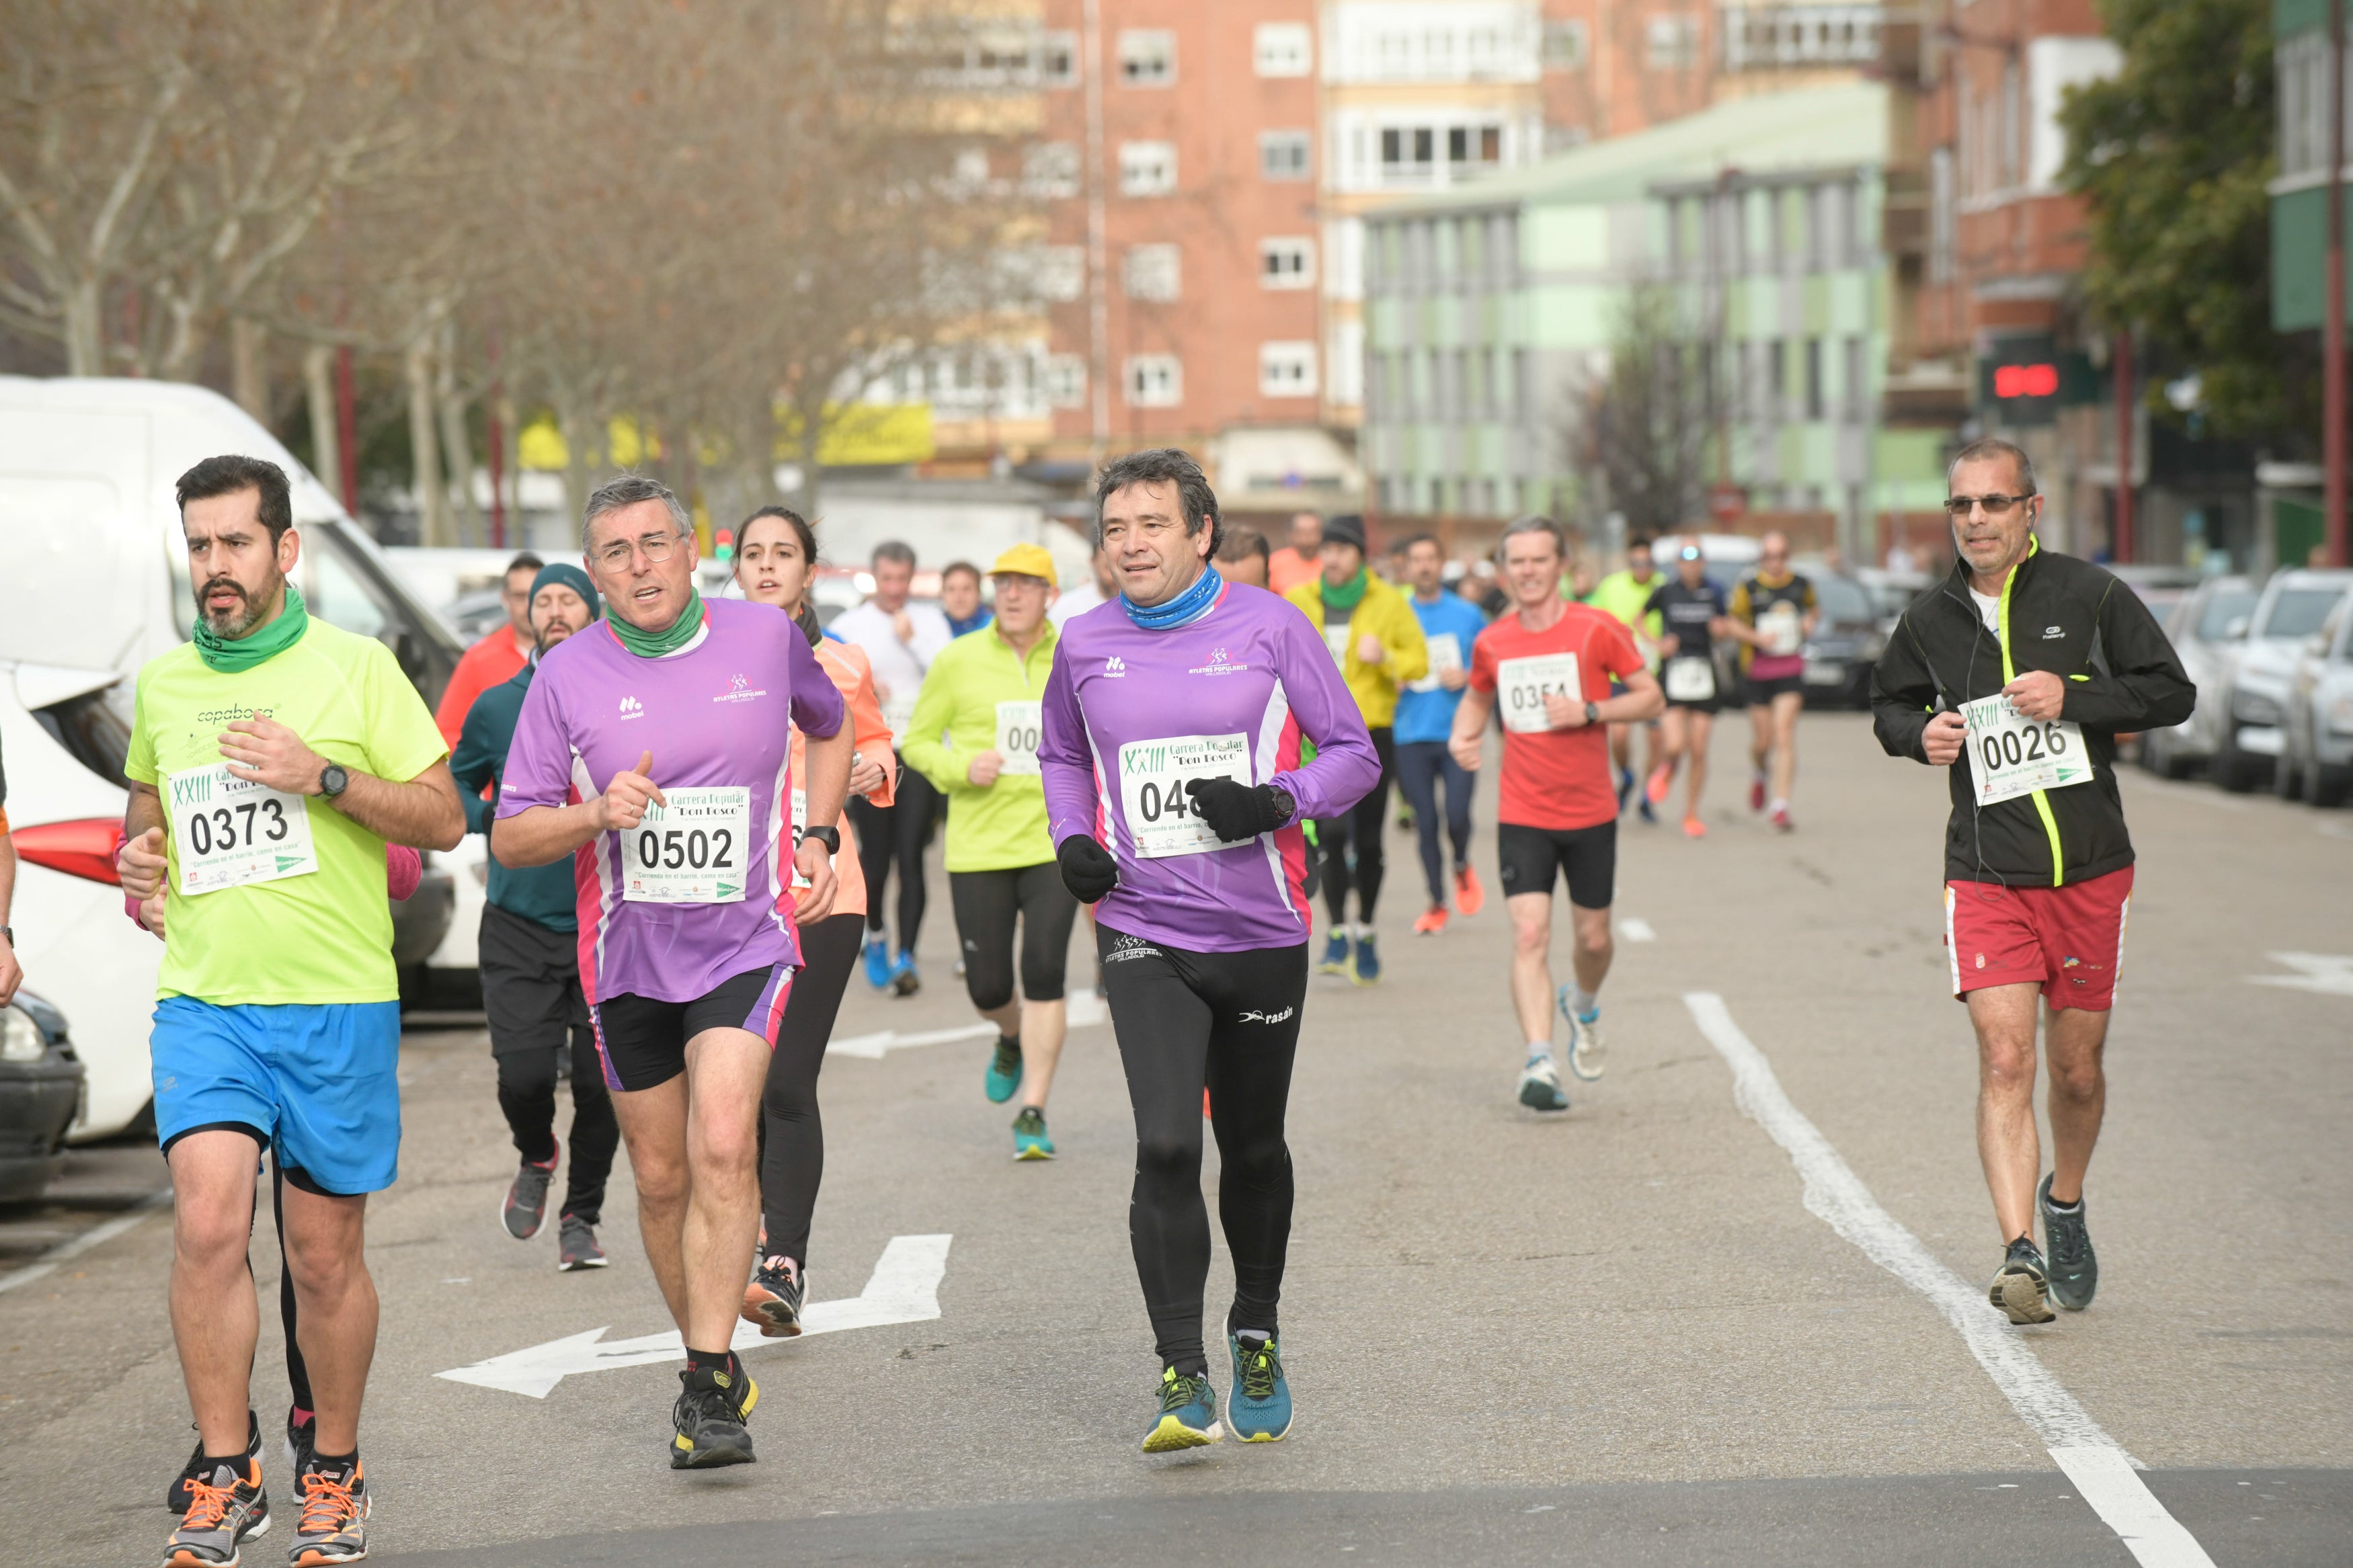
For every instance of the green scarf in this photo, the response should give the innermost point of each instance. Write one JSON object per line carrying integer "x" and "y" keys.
{"x": 261, "y": 644}
{"x": 653, "y": 644}
{"x": 1345, "y": 597}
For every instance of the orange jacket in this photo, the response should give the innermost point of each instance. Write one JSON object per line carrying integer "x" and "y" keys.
{"x": 853, "y": 676}
{"x": 489, "y": 662}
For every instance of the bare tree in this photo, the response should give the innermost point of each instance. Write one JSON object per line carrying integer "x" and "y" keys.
{"x": 1639, "y": 433}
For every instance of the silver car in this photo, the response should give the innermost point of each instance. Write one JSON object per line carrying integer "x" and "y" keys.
{"x": 2294, "y": 605}
{"x": 2317, "y": 762}
{"x": 2205, "y": 626}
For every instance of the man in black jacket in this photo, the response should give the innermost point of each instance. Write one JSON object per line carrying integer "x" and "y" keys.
{"x": 2029, "y": 665}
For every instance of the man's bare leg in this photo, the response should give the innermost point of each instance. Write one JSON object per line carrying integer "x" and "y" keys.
{"x": 2008, "y": 1144}
{"x": 335, "y": 1307}
{"x": 1044, "y": 1025}
{"x": 1532, "y": 965}
{"x": 1695, "y": 772}
{"x": 653, "y": 1125}
{"x": 1785, "y": 709}
{"x": 2075, "y": 1041}
{"x": 215, "y": 1317}
{"x": 726, "y": 1070}
{"x": 1592, "y": 957}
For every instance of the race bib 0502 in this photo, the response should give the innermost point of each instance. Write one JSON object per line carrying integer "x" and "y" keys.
{"x": 1151, "y": 778}
{"x": 2010, "y": 754}
{"x": 1019, "y": 727}
{"x": 232, "y": 831}
{"x": 695, "y": 850}
{"x": 1523, "y": 684}
{"x": 1445, "y": 654}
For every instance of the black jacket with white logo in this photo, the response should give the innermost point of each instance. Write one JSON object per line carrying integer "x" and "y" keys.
{"x": 2076, "y": 620}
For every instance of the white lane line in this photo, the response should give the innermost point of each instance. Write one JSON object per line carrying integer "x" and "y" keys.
{"x": 1834, "y": 1195}
{"x": 2336, "y": 830}
{"x": 1085, "y": 1008}
{"x": 96, "y": 1236}
{"x": 2329, "y": 974}
{"x": 1633, "y": 928}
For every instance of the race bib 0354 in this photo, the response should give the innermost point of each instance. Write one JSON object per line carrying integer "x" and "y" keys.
{"x": 1523, "y": 684}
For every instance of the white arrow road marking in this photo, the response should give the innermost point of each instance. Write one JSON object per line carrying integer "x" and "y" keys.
{"x": 904, "y": 1289}
{"x": 1633, "y": 928}
{"x": 1085, "y": 1008}
{"x": 2101, "y": 1469}
{"x": 2329, "y": 974}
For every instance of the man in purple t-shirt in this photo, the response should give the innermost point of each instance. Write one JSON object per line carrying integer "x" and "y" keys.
{"x": 686, "y": 863}
{"x": 1173, "y": 721}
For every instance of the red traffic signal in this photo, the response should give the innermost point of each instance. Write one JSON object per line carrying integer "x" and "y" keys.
{"x": 2026, "y": 381}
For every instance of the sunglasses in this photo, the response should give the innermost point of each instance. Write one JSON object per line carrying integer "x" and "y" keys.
{"x": 1995, "y": 505}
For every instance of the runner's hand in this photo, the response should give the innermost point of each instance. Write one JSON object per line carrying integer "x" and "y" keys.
{"x": 1454, "y": 679}
{"x": 865, "y": 775}
{"x": 1370, "y": 651}
{"x": 2038, "y": 694}
{"x": 1465, "y": 752}
{"x": 903, "y": 627}
{"x": 1236, "y": 811}
{"x": 151, "y": 912}
{"x": 1942, "y": 741}
{"x": 983, "y": 768}
{"x": 1564, "y": 712}
{"x": 1088, "y": 870}
{"x": 270, "y": 753}
{"x": 623, "y": 805}
{"x": 815, "y": 901}
{"x": 139, "y": 865}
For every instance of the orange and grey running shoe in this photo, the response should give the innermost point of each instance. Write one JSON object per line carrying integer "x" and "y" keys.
{"x": 334, "y": 1526}
{"x": 226, "y": 1508}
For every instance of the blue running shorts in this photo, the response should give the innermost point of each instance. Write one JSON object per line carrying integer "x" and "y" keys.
{"x": 318, "y": 1082}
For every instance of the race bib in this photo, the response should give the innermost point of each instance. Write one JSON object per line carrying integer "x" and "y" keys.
{"x": 696, "y": 849}
{"x": 1445, "y": 654}
{"x": 1152, "y": 776}
{"x": 1336, "y": 639}
{"x": 1523, "y": 684}
{"x": 233, "y": 832}
{"x": 1691, "y": 680}
{"x": 898, "y": 713}
{"x": 1019, "y": 727}
{"x": 2011, "y": 755}
{"x": 1780, "y": 627}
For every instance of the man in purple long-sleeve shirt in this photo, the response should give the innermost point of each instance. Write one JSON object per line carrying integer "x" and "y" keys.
{"x": 1174, "y": 796}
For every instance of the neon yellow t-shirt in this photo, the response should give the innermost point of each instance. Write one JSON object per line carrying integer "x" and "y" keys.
{"x": 315, "y": 936}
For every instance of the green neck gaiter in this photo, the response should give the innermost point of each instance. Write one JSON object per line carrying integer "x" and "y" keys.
{"x": 258, "y": 645}
{"x": 1345, "y": 597}
{"x": 653, "y": 644}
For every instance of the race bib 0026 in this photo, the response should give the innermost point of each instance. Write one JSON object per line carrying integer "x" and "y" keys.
{"x": 695, "y": 850}
{"x": 2010, "y": 754}
{"x": 1019, "y": 727}
{"x": 1445, "y": 654}
{"x": 232, "y": 831}
{"x": 1523, "y": 684}
{"x": 1151, "y": 778}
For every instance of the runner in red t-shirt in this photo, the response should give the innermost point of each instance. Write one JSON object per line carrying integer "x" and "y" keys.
{"x": 1548, "y": 665}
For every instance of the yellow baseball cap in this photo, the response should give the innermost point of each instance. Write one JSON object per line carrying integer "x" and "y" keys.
{"x": 1027, "y": 561}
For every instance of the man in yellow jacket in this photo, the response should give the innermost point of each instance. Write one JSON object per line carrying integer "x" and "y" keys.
{"x": 1376, "y": 641}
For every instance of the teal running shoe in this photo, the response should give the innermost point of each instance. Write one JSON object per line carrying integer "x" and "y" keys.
{"x": 1259, "y": 1409}
{"x": 1029, "y": 1140}
{"x": 1188, "y": 1415}
{"x": 878, "y": 963}
{"x": 1585, "y": 1047}
{"x": 1004, "y": 1074}
{"x": 1335, "y": 953}
{"x": 1367, "y": 970}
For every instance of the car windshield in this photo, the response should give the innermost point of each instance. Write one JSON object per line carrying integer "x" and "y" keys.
{"x": 1843, "y": 599}
{"x": 2227, "y": 605}
{"x": 2298, "y": 612}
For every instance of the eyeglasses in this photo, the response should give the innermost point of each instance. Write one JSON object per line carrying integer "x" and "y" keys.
{"x": 1995, "y": 505}
{"x": 656, "y": 546}
{"x": 1690, "y": 552}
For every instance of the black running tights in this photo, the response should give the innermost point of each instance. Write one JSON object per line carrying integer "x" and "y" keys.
{"x": 792, "y": 1159}
{"x": 1360, "y": 829}
{"x": 896, "y": 836}
{"x": 1228, "y": 1022}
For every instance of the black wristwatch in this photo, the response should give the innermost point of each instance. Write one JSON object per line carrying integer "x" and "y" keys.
{"x": 828, "y": 837}
{"x": 1593, "y": 712}
{"x": 333, "y": 781}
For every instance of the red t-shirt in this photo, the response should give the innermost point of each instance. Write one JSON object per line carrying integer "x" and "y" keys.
{"x": 489, "y": 662}
{"x": 1557, "y": 779}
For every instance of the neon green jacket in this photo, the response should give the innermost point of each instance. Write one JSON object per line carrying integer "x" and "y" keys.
{"x": 1383, "y": 612}
{"x": 1002, "y": 826}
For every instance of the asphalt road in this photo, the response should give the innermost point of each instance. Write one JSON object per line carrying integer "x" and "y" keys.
{"x": 1619, "y": 1335}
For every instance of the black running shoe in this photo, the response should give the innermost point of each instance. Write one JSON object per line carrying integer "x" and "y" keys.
{"x": 773, "y": 1299}
{"x": 301, "y": 1442}
{"x": 180, "y": 1495}
{"x": 525, "y": 1204}
{"x": 2074, "y": 1267}
{"x": 576, "y": 1245}
{"x": 2022, "y": 1289}
{"x": 710, "y": 1421}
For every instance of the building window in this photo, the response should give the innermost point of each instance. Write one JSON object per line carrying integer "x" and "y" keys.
{"x": 1066, "y": 381}
{"x": 1286, "y": 262}
{"x": 1855, "y": 391}
{"x": 1060, "y": 273}
{"x": 1777, "y": 382}
{"x": 1814, "y": 401}
{"x": 1058, "y": 58}
{"x": 1480, "y": 146}
{"x": 1155, "y": 381}
{"x": 1407, "y": 153}
{"x": 1283, "y": 49}
{"x": 1050, "y": 170}
{"x": 1941, "y": 229}
{"x": 1287, "y": 369}
{"x": 1523, "y": 389}
{"x": 1147, "y": 168}
{"x": 1153, "y": 272}
{"x": 1345, "y": 371}
{"x": 1671, "y": 42}
{"x": 1565, "y": 44}
{"x": 1283, "y": 156}
{"x": 1817, "y": 211}
{"x": 1148, "y": 56}
{"x": 1779, "y": 37}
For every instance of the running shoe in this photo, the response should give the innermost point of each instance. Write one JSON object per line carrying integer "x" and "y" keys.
{"x": 177, "y": 1496}
{"x": 773, "y": 1297}
{"x": 1188, "y": 1414}
{"x": 1004, "y": 1074}
{"x": 1756, "y": 791}
{"x": 1468, "y": 895}
{"x": 301, "y": 1439}
{"x": 1585, "y": 1047}
{"x": 1642, "y": 809}
{"x": 1625, "y": 787}
{"x": 1367, "y": 969}
{"x": 1430, "y": 922}
{"x": 2075, "y": 1267}
{"x": 1781, "y": 822}
{"x": 1029, "y": 1140}
{"x": 878, "y": 963}
{"x": 1662, "y": 779}
{"x": 526, "y": 1199}
{"x": 1335, "y": 953}
{"x": 1695, "y": 828}
{"x": 709, "y": 1422}
{"x": 1259, "y": 1409}
{"x": 2023, "y": 1288}
{"x": 576, "y": 1245}
{"x": 226, "y": 1508}
{"x": 334, "y": 1526}
{"x": 1540, "y": 1085}
{"x": 959, "y": 969}
{"x": 904, "y": 981}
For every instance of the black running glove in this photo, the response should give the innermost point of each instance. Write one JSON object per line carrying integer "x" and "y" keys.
{"x": 1236, "y": 811}
{"x": 1088, "y": 870}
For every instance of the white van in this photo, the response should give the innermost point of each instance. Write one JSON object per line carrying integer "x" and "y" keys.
{"x": 90, "y": 527}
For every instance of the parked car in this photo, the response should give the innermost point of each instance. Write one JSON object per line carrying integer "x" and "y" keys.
{"x": 2317, "y": 760}
{"x": 40, "y": 1093}
{"x": 1849, "y": 636}
{"x": 1892, "y": 592}
{"x": 2205, "y": 627}
{"x": 100, "y": 577}
{"x": 2294, "y": 605}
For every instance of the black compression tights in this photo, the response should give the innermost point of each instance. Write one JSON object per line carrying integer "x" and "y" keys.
{"x": 896, "y": 836}
{"x": 792, "y": 1163}
{"x": 1228, "y": 1022}
{"x": 1361, "y": 830}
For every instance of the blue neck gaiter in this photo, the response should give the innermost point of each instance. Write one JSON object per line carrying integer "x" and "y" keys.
{"x": 1181, "y": 611}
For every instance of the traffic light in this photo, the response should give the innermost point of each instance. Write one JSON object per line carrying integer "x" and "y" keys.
{"x": 726, "y": 545}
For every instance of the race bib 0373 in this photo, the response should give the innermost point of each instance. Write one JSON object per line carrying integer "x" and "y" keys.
{"x": 232, "y": 831}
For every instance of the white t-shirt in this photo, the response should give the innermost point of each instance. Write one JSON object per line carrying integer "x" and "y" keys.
{"x": 1085, "y": 596}
{"x": 897, "y": 665}
{"x": 1989, "y": 610}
